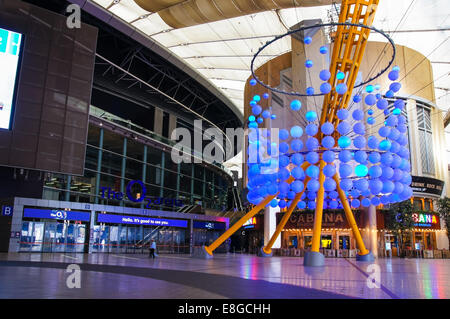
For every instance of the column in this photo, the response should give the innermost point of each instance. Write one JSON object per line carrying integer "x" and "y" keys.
{"x": 144, "y": 169}
{"x": 192, "y": 183}
{"x": 124, "y": 164}
{"x": 178, "y": 179}
{"x": 370, "y": 234}
{"x": 163, "y": 165}
{"x": 67, "y": 195}
{"x": 99, "y": 165}
{"x": 204, "y": 188}
{"x": 270, "y": 225}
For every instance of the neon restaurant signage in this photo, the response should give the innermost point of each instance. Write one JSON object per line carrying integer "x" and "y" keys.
{"x": 424, "y": 220}
{"x": 107, "y": 192}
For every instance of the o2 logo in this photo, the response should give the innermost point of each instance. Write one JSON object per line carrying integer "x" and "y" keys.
{"x": 59, "y": 214}
{"x": 110, "y": 194}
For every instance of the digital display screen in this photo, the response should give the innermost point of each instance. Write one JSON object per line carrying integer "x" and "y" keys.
{"x": 134, "y": 220}
{"x": 56, "y": 214}
{"x": 10, "y": 43}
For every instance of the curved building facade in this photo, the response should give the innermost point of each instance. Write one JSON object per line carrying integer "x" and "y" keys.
{"x": 130, "y": 190}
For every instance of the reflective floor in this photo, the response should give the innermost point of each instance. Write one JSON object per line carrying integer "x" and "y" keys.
{"x": 32, "y": 275}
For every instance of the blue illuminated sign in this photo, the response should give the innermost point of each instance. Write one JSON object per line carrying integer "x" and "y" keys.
{"x": 133, "y": 220}
{"x": 10, "y": 43}
{"x": 56, "y": 214}
{"x": 208, "y": 225}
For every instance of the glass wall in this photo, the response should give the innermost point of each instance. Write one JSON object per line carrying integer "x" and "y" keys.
{"x": 137, "y": 239}
{"x": 112, "y": 161}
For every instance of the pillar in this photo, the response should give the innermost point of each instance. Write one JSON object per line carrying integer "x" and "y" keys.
{"x": 372, "y": 241}
{"x": 270, "y": 224}
{"x": 99, "y": 165}
{"x": 124, "y": 164}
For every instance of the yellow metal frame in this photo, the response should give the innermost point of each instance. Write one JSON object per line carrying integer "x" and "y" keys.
{"x": 348, "y": 51}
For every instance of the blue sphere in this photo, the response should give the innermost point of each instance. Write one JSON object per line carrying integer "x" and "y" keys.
{"x": 265, "y": 96}
{"x": 328, "y": 142}
{"x": 283, "y": 161}
{"x": 253, "y": 125}
{"x": 344, "y": 141}
{"x": 359, "y": 142}
{"x": 312, "y": 143}
{"x": 273, "y": 203}
{"x": 369, "y": 88}
{"x": 372, "y": 142}
{"x": 345, "y": 170}
{"x": 340, "y": 75}
{"x": 359, "y": 128}
{"x": 324, "y": 75}
{"x": 393, "y": 75}
{"x": 361, "y": 170}
{"x": 310, "y": 91}
{"x": 257, "y": 98}
{"x": 387, "y": 172}
{"x": 251, "y": 118}
{"x": 325, "y": 88}
{"x": 284, "y": 147}
{"x": 266, "y": 114}
{"x": 296, "y": 131}
{"x": 388, "y": 187}
{"x": 297, "y": 186}
{"x": 400, "y": 104}
{"x": 342, "y": 114}
{"x": 273, "y": 117}
{"x": 296, "y": 105}
{"x": 253, "y": 82}
{"x": 370, "y": 120}
{"x": 341, "y": 88}
{"x": 327, "y": 128}
{"x": 395, "y": 87}
{"x": 296, "y": 145}
{"x": 382, "y": 104}
{"x": 283, "y": 134}
{"x": 307, "y": 40}
{"x": 256, "y": 109}
{"x": 312, "y": 157}
{"x": 329, "y": 170}
{"x": 311, "y": 129}
{"x": 375, "y": 171}
{"x": 375, "y": 186}
{"x": 346, "y": 184}
{"x": 282, "y": 203}
{"x": 384, "y": 131}
{"x": 297, "y": 159}
{"x": 323, "y": 50}
{"x": 375, "y": 201}
{"x": 311, "y": 205}
{"x": 343, "y": 128}
{"x": 313, "y": 185}
{"x": 329, "y": 184}
{"x": 385, "y": 145}
{"x": 356, "y": 203}
{"x": 311, "y": 116}
{"x": 358, "y": 115}
{"x": 301, "y": 205}
{"x": 328, "y": 156}
{"x": 345, "y": 156}
{"x": 253, "y": 103}
{"x": 361, "y": 184}
{"x": 370, "y": 99}
{"x": 357, "y": 98}
{"x": 259, "y": 120}
{"x": 390, "y": 94}
{"x": 312, "y": 171}
{"x": 365, "y": 202}
{"x": 298, "y": 173}
{"x": 333, "y": 204}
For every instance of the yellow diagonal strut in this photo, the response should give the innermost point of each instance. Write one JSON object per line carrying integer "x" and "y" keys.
{"x": 348, "y": 50}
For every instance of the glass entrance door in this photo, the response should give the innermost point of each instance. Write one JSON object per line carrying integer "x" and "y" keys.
{"x": 49, "y": 237}
{"x": 60, "y": 242}
{"x": 113, "y": 239}
{"x": 344, "y": 242}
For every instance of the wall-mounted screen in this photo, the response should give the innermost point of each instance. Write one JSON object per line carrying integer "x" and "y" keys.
{"x": 10, "y": 43}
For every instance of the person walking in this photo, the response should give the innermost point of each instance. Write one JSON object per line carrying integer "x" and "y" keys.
{"x": 152, "y": 249}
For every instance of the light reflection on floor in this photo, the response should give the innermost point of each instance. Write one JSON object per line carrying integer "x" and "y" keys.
{"x": 402, "y": 278}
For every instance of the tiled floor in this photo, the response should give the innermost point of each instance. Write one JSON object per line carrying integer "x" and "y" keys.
{"x": 226, "y": 276}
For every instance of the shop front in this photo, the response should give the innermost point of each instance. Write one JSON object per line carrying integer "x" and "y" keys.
{"x": 54, "y": 230}
{"x": 67, "y": 227}
{"x": 205, "y": 233}
{"x": 336, "y": 238}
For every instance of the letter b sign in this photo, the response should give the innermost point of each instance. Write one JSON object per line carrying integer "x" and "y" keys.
{"x": 7, "y": 210}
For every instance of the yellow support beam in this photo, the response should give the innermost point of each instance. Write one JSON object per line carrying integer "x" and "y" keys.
{"x": 268, "y": 248}
{"x": 350, "y": 218}
{"x": 317, "y": 229}
{"x": 230, "y": 231}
